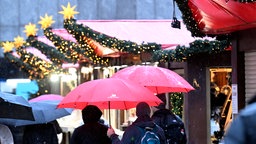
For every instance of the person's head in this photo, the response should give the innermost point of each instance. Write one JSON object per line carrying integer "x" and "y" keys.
{"x": 162, "y": 97}
{"x": 142, "y": 109}
{"x": 91, "y": 113}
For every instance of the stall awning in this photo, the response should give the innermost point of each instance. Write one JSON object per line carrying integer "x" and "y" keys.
{"x": 139, "y": 31}
{"x": 223, "y": 16}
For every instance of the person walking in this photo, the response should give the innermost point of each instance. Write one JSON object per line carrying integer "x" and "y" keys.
{"x": 41, "y": 133}
{"x": 134, "y": 133}
{"x": 172, "y": 124}
{"x": 242, "y": 129}
{"x": 92, "y": 131}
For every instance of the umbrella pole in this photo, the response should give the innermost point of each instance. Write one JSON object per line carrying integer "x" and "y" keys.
{"x": 109, "y": 113}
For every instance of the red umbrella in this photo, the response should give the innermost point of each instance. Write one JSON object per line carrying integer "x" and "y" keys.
{"x": 110, "y": 93}
{"x": 157, "y": 79}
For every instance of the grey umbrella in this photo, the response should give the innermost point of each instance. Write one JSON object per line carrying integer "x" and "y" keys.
{"x": 15, "y": 107}
{"x": 5, "y": 135}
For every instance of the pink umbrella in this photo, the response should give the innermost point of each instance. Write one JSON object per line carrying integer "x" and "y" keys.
{"x": 157, "y": 79}
{"x": 110, "y": 93}
{"x": 47, "y": 97}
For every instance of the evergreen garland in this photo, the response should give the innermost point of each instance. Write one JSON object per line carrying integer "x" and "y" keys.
{"x": 80, "y": 31}
{"x": 188, "y": 19}
{"x": 24, "y": 66}
{"x": 70, "y": 49}
{"x": 180, "y": 53}
{"x": 176, "y": 101}
{"x": 73, "y": 50}
{"x": 40, "y": 68}
{"x": 55, "y": 56}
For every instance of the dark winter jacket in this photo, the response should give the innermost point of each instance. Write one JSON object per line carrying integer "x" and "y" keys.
{"x": 133, "y": 134}
{"x": 90, "y": 133}
{"x": 40, "y": 134}
{"x": 159, "y": 117}
{"x": 164, "y": 117}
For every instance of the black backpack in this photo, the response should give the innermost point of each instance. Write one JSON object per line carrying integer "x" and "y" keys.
{"x": 174, "y": 130}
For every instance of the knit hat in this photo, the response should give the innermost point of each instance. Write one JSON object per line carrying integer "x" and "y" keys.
{"x": 142, "y": 109}
{"x": 91, "y": 113}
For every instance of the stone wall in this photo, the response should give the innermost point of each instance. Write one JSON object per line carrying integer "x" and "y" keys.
{"x": 15, "y": 14}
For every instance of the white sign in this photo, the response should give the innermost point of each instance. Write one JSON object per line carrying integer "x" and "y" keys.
{"x": 234, "y": 99}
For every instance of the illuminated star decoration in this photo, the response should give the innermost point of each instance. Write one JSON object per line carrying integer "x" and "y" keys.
{"x": 8, "y": 46}
{"x": 68, "y": 11}
{"x": 30, "y": 29}
{"x": 46, "y": 21}
{"x": 18, "y": 41}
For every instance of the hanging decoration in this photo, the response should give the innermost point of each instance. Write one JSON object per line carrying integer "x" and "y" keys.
{"x": 46, "y": 21}
{"x": 30, "y": 29}
{"x": 85, "y": 47}
{"x": 8, "y": 49}
{"x": 55, "y": 56}
{"x": 64, "y": 47}
{"x": 68, "y": 12}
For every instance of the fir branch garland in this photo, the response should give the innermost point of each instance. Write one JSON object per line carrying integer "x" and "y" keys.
{"x": 188, "y": 19}
{"x": 107, "y": 41}
{"x": 55, "y": 56}
{"x": 24, "y": 66}
{"x": 40, "y": 67}
{"x": 68, "y": 48}
{"x": 73, "y": 50}
{"x": 180, "y": 53}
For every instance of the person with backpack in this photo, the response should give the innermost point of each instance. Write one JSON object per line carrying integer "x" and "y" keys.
{"x": 171, "y": 123}
{"x": 142, "y": 131}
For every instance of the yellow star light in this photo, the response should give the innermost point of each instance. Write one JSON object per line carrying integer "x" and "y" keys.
{"x": 30, "y": 29}
{"x": 18, "y": 41}
{"x": 68, "y": 11}
{"x": 46, "y": 21}
{"x": 8, "y": 46}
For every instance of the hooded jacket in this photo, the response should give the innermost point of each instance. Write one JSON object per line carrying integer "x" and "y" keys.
{"x": 164, "y": 117}
{"x": 159, "y": 117}
{"x": 133, "y": 135}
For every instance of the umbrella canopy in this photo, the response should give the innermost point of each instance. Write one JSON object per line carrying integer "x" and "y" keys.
{"x": 110, "y": 93}
{"x": 47, "y": 97}
{"x": 5, "y": 135}
{"x": 44, "y": 112}
{"x": 15, "y": 107}
{"x": 157, "y": 79}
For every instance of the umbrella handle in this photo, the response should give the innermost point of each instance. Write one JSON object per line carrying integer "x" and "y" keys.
{"x": 109, "y": 113}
